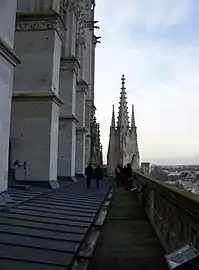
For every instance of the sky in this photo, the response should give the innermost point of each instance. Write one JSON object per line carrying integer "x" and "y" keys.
{"x": 155, "y": 44}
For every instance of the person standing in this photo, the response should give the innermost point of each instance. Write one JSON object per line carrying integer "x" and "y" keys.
{"x": 128, "y": 176}
{"x": 124, "y": 176}
{"x": 118, "y": 174}
{"x": 123, "y": 170}
{"x": 98, "y": 174}
{"x": 89, "y": 175}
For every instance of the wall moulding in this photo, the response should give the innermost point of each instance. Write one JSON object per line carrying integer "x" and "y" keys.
{"x": 81, "y": 129}
{"x": 88, "y": 135}
{"x": 40, "y": 22}
{"x": 37, "y": 96}
{"x": 70, "y": 63}
{"x": 8, "y": 53}
{"x": 82, "y": 86}
{"x": 69, "y": 118}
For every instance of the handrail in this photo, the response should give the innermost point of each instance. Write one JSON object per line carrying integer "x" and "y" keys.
{"x": 173, "y": 212}
{"x": 161, "y": 186}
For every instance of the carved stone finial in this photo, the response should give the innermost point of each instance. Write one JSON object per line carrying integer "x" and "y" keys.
{"x": 123, "y": 82}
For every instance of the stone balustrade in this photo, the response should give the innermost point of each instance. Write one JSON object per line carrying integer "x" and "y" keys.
{"x": 173, "y": 212}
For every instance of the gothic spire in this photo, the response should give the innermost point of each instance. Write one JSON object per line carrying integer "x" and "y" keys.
{"x": 123, "y": 119}
{"x": 133, "y": 118}
{"x": 113, "y": 118}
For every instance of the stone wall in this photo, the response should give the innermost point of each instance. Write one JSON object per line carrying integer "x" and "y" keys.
{"x": 53, "y": 88}
{"x": 173, "y": 212}
{"x": 35, "y": 102}
{"x": 7, "y": 62}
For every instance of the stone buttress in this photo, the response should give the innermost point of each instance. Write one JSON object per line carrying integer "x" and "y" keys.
{"x": 68, "y": 84}
{"x": 40, "y": 30}
{"x": 8, "y": 61}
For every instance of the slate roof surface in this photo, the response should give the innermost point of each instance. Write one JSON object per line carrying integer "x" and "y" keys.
{"x": 44, "y": 229}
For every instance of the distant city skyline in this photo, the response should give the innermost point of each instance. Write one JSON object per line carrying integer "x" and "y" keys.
{"x": 156, "y": 46}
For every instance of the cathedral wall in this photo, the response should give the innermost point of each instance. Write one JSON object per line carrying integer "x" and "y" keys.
{"x": 67, "y": 90}
{"x": 133, "y": 150}
{"x": 67, "y": 148}
{"x": 113, "y": 157}
{"x": 42, "y": 50}
{"x": 7, "y": 63}
{"x": 68, "y": 84}
{"x": 80, "y": 131}
{"x": 35, "y": 104}
{"x": 7, "y": 15}
{"x": 41, "y": 41}
{"x": 38, "y": 5}
{"x": 6, "y": 80}
{"x": 129, "y": 148}
{"x": 34, "y": 138}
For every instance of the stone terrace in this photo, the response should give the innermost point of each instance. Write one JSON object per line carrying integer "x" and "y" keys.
{"x": 128, "y": 240}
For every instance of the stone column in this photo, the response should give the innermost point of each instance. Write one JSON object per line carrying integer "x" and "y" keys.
{"x": 68, "y": 79}
{"x": 68, "y": 121}
{"x": 88, "y": 128}
{"x": 84, "y": 51}
{"x": 35, "y": 106}
{"x": 90, "y": 107}
{"x": 145, "y": 168}
{"x": 81, "y": 130}
{"x": 7, "y": 62}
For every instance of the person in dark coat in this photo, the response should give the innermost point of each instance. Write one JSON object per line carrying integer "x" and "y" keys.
{"x": 128, "y": 176}
{"x": 122, "y": 169}
{"x": 89, "y": 175}
{"x": 98, "y": 174}
{"x": 123, "y": 175}
{"x": 118, "y": 174}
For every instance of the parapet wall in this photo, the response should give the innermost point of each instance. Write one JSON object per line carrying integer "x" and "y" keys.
{"x": 173, "y": 212}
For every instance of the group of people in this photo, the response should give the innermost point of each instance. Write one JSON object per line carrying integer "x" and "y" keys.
{"x": 92, "y": 173}
{"x": 124, "y": 176}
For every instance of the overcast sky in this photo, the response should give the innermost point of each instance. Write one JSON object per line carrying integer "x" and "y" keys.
{"x": 156, "y": 45}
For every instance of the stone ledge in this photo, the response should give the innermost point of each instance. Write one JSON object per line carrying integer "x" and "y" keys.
{"x": 40, "y": 96}
{"x": 88, "y": 135}
{"x": 69, "y": 63}
{"x": 81, "y": 129}
{"x": 40, "y": 22}
{"x": 8, "y": 53}
{"x": 69, "y": 118}
{"x": 82, "y": 86}
{"x": 93, "y": 107}
{"x": 166, "y": 188}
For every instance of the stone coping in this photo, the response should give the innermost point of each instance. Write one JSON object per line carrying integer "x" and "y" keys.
{"x": 182, "y": 198}
{"x": 8, "y": 53}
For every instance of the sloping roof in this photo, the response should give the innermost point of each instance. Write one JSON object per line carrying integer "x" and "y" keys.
{"x": 44, "y": 229}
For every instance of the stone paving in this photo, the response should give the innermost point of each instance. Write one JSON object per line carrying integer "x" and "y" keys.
{"x": 127, "y": 240}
